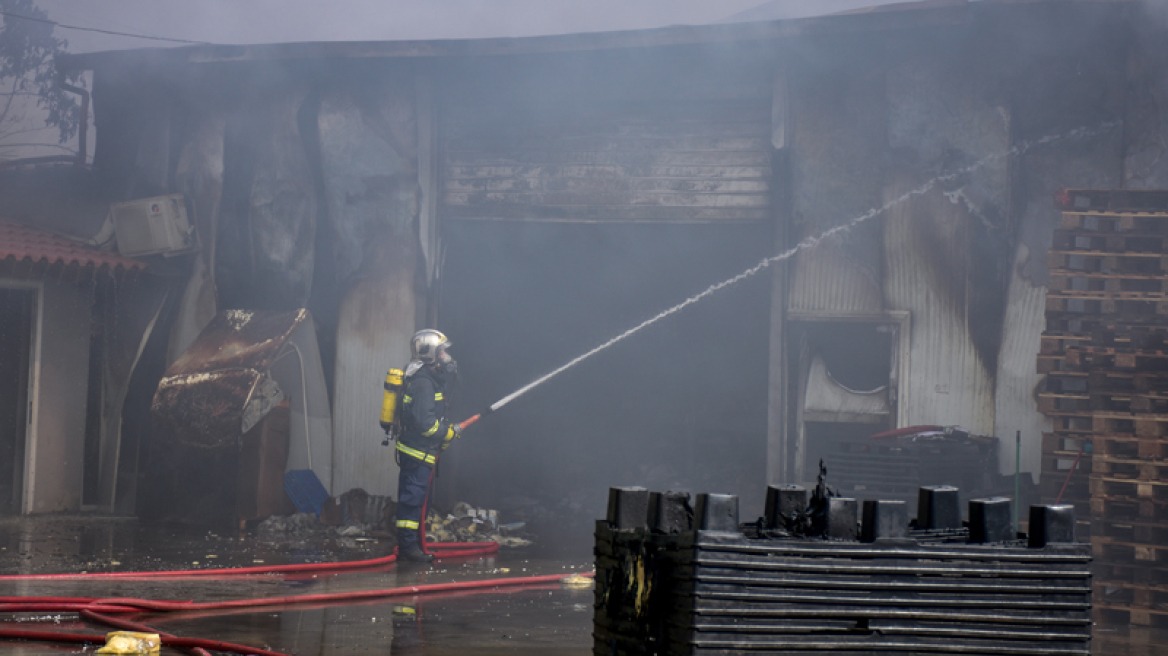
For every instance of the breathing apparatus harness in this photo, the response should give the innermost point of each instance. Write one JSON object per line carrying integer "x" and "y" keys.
{"x": 396, "y": 416}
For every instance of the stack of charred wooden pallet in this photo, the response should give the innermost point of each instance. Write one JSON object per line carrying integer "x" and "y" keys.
{"x": 1106, "y": 361}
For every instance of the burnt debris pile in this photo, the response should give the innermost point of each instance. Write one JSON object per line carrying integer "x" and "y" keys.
{"x": 679, "y": 579}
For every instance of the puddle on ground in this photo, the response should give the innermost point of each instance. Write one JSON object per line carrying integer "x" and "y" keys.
{"x": 546, "y": 620}
{"x": 549, "y": 619}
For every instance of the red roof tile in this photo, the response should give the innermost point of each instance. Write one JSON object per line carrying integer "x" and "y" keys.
{"x": 21, "y": 242}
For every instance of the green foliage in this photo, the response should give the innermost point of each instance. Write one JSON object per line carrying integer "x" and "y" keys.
{"x": 27, "y": 52}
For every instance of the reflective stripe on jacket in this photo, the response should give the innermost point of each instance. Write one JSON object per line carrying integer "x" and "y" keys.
{"x": 425, "y": 427}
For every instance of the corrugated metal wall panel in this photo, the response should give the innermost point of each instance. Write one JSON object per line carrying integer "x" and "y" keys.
{"x": 706, "y": 161}
{"x": 839, "y": 159}
{"x": 1015, "y": 408}
{"x": 928, "y": 274}
{"x": 375, "y": 325}
{"x": 827, "y": 279}
{"x": 369, "y": 152}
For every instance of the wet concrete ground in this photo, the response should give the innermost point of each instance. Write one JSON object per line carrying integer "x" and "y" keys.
{"x": 549, "y": 619}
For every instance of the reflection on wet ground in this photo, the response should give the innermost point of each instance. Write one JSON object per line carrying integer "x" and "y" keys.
{"x": 548, "y": 619}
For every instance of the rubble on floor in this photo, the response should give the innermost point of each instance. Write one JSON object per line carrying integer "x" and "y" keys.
{"x": 357, "y": 515}
{"x": 306, "y": 528}
{"x": 465, "y": 523}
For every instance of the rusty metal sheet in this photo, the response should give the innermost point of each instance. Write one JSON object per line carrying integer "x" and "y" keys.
{"x": 237, "y": 339}
{"x": 203, "y": 409}
{"x": 201, "y": 398}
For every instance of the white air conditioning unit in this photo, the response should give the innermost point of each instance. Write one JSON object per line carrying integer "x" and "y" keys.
{"x": 150, "y": 226}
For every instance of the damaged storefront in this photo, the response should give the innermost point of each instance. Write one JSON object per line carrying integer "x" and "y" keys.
{"x": 66, "y": 349}
{"x": 535, "y": 197}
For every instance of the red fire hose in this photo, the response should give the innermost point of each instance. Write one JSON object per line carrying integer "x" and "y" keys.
{"x": 99, "y": 638}
{"x": 127, "y": 625}
{"x": 92, "y": 608}
{"x": 133, "y": 605}
{"x": 441, "y": 550}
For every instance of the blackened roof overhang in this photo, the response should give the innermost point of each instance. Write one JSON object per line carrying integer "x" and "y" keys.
{"x": 890, "y": 17}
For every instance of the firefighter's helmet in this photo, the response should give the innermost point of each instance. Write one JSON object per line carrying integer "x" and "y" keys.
{"x": 429, "y": 346}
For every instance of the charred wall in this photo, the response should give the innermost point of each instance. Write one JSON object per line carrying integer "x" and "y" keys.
{"x": 961, "y": 134}
{"x": 302, "y": 184}
{"x": 581, "y": 195}
{"x": 580, "y": 192}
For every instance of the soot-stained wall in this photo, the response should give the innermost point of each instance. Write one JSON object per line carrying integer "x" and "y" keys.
{"x": 304, "y": 191}
{"x": 960, "y": 136}
{"x": 680, "y": 405}
{"x": 314, "y": 181}
{"x": 369, "y": 157}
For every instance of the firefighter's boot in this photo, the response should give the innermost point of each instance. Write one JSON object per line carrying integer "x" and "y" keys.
{"x": 410, "y": 548}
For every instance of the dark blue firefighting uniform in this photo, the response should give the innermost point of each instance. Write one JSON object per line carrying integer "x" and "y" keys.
{"x": 425, "y": 432}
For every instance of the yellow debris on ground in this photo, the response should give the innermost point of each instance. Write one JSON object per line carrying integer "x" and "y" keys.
{"x": 576, "y": 581}
{"x": 468, "y": 524}
{"x": 130, "y": 642}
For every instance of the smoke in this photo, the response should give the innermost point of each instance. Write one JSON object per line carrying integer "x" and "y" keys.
{"x": 807, "y": 243}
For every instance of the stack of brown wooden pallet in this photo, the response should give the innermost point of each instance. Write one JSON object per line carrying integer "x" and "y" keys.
{"x": 1105, "y": 356}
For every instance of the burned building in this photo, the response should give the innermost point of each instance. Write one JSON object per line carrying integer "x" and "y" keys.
{"x": 535, "y": 197}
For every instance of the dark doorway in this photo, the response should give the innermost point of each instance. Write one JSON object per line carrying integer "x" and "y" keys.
{"x": 16, "y": 322}
{"x": 681, "y": 405}
{"x": 846, "y": 370}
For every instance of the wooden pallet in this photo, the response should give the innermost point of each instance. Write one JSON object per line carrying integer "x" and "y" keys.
{"x": 1104, "y": 261}
{"x": 1069, "y": 382}
{"x": 1129, "y": 447}
{"x": 1135, "y": 337}
{"x": 1051, "y": 363}
{"x": 1089, "y": 324}
{"x": 1127, "y": 201}
{"x": 1126, "y": 508}
{"x": 1111, "y": 358}
{"x": 1116, "y": 243}
{"x": 1132, "y": 531}
{"x": 1127, "y": 402}
{"x": 1105, "y": 357}
{"x": 1151, "y": 285}
{"x": 1119, "y": 381}
{"x": 1073, "y": 423}
{"x": 1138, "y": 595}
{"x": 1115, "y": 222}
{"x": 1055, "y": 343}
{"x": 1147, "y": 425}
{"x": 1127, "y": 468}
{"x": 1107, "y": 486}
{"x": 1052, "y": 403}
{"x": 1127, "y": 573}
{"x": 1066, "y": 444}
{"x": 1065, "y": 303}
{"x": 1113, "y": 614}
{"x": 1108, "y": 550}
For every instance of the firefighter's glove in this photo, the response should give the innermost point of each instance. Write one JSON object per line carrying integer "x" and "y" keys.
{"x": 454, "y": 433}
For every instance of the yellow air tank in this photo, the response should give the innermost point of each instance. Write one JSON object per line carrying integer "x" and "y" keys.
{"x": 391, "y": 401}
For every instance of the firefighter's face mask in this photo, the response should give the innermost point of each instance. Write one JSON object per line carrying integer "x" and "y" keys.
{"x": 448, "y": 365}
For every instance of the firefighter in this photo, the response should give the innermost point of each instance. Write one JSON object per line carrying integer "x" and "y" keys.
{"x": 425, "y": 433}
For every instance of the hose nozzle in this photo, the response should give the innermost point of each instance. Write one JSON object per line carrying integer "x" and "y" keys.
{"x": 475, "y": 418}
